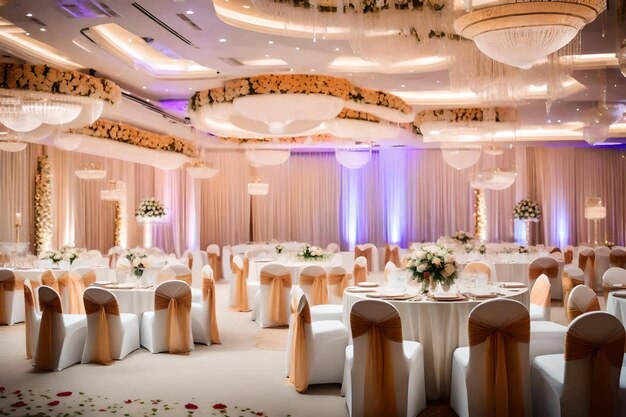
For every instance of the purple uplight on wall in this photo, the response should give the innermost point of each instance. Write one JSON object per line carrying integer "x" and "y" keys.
{"x": 176, "y": 105}
{"x": 351, "y": 206}
{"x": 392, "y": 165}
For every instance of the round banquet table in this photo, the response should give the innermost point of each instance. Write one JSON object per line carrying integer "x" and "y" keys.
{"x": 134, "y": 300}
{"x": 294, "y": 265}
{"x": 34, "y": 274}
{"x": 616, "y": 305}
{"x": 440, "y": 326}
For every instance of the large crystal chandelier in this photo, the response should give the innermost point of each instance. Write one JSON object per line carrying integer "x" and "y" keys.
{"x": 354, "y": 157}
{"x": 91, "y": 171}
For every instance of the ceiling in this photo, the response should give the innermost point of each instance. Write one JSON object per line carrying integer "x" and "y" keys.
{"x": 190, "y": 30}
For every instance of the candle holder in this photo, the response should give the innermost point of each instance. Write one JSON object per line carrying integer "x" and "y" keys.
{"x": 17, "y": 241}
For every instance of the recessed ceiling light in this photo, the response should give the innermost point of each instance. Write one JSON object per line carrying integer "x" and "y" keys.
{"x": 267, "y": 56}
{"x": 437, "y": 81}
{"x": 27, "y": 34}
{"x": 558, "y": 121}
{"x": 245, "y": 6}
{"x": 29, "y": 15}
{"x": 402, "y": 86}
{"x": 189, "y": 12}
{"x": 312, "y": 69}
{"x": 148, "y": 100}
{"x": 222, "y": 40}
{"x": 337, "y": 49}
{"x": 42, "y": 29}
{"x": 270, "y": 42}
{"x": 549, "y": 121}
{"x": 297, "y": 48}
{"x": 577, "y": 109}
{"x": 143, "y": 86}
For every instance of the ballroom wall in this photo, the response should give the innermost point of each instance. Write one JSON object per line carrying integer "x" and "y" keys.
{"x": 401, "y": 196}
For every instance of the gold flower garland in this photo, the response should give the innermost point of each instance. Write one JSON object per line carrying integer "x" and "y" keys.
{"x": 43, "y": 78}
{"x": 118, "y": 225}
{"x": 286, "y": 139}
{"x": 379, "y": 98}
{"x": 472, "y": 114}
{"x": 43, "y": 205}
{"x": 121, "y": 132}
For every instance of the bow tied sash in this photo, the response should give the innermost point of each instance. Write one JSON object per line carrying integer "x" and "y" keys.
{"x": 359, "y": 273}
{"x": 573, "y": 310}
{"x": 503, "y": 370}
{"x": 588, "y": 261}
{"x": 568, "y": 256}
{"x": 392, "y": 254}
{"x": 208, "y": 296}
{"x": 178, "y": 320}
{"x": 604, "y": 356}
{"x": 298, "y": 367}
{"x": 338, "y": 282}
{"x": 213, "y": 260}
{"x": 478, "y": 268}
{"x": 379, "y": 392}
{"x": 319, "y": 290}
{"x": 88, "y": 279}
{"x": 29, "y": 307}
{"x": 618, "y": 260}
{"x": 278, "y": 309}
{"x": 48, "y": 278}
{"x": 534, "y": 271}
{"x": 568, "y": 285}
{"x": 240, "y": 299}
{"x": 102, "y": 350}
{"x": 73, "y": 285}
{"x": 44, "y": 357}
{"x": 11, "y": 284}
{"x": 540, "y": 293}
{"x": 185, "y": 278}
{"x": 366, "y": 253}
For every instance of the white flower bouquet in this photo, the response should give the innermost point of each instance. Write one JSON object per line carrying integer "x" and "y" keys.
{"x": 138, "y": 259}
{"x": 151, "y": 208}
{"x": 54, "y": 256}
{"x": 527, "y": 210}
{"x": 312, "y": 253}
{"x": 431, "y": 265}
{"x": 279, "y": 249}
{"x": 462, "y": 236}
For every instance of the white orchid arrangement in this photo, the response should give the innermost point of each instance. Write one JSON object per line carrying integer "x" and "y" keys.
{"x": 314, "y": 253}
{"x": 433, "y": 264}
{"x": 66, "y": 253}
{"x": 527, "y": 210}
{"x": 151, "y": 207}
{"x": 138, "y": 259}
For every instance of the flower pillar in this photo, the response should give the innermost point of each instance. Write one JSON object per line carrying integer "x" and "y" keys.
{"x": 118, "y": 225}
{"x": 480, "y": 214}
{"x": 43, "y": 205}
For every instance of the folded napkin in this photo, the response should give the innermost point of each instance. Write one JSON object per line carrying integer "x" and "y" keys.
{"x": 513, "y": 285}
{"x": 483, "y": 296}
{"x": 399, "y": 297}
{"x": 359, "y": 289}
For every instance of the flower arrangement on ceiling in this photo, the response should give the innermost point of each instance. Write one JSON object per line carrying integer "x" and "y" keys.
{"x": 282, "y": 140}
{"x": 35, "y": 97}
{"x": 43, "y": 204}
{"x": 122, "y": 132}
{"x": 294, "y": 105}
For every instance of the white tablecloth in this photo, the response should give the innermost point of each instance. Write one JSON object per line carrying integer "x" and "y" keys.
{"x": 294, "y": 266}
{"x": 136, "y": 301}
{"x": 617, "y": 306}
{"x": 34, "y": 274}
{"x": 440, "y": 327}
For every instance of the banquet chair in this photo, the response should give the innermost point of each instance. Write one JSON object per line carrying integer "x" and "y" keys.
{"x": 338, "y": 280}
{"x": 155, "y": 251}
{"x": 11, "y": 298}
{"x": 110, "y": 334}
{"x": 584, "y": 381}
{"x": 168, "y": 327}
{"x": 314, "y": 284}
{"x": 586, "y": 262}
{"x": 558, "y": 255}
{"x": 392, "y": 254}
{"x": 480, "y": 267}
{"x": 382, "y": 382}
{"x": 203, "y": 317}
{"x": 554, "y": 249}
{"x": 614, "y": 279}
{"x": 582, "y": 299}
{"x": 271, "y": 307}
{"x": 333, "y": 248}
{"x": 213, "y": 259}
{"x": 572, "y": 277}
{"x": 540, "y": 299}
{"x": 61, "y": 337}
{"x": 227, "y": 259}
{"x": 315, "y": 349}
{"x": 87, "y": 275}
{"x": 31, "y": 320}
{"x": 568, "y": 254}
{"x": 550, "y": 267}
{"x": 491, "y": 377}
{"x": 122, "y": 269}
{"x": 370, "y": 252}
{"x": 242, "y": 293}
{"x": 601, "y": 265}
{"x": 181, "y": 273}
{"x": 71, "y": 288}
{"x": 617, "y": 258}
{"x": 187, "y": 259}
{"x": 359, "y": 270}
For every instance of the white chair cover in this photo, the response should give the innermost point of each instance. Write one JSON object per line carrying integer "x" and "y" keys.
{"x": 581, "y": 300}
{"x": 370, "y": 252}
{"x": 11, "y": 298}
{"x": 272, "y": 306}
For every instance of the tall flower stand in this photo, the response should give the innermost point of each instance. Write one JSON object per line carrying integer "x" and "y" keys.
{"x": 528, "y": 223}
{"x": 148, "y": 229}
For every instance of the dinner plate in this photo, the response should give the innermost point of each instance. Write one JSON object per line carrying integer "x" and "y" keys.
{"x": 359, "y": 289}
{"x": 368, "y": 284}
{"x": 513, "y": 285}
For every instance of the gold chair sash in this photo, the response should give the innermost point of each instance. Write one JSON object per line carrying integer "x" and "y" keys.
{"x": 319, "y": 290}
{"x": 299, "y": 367}
{"x": 185, "y": 278}
{"x": 360, "y": 274}
{"x": 604, "y": 356}
{"x": 540, "y": 293}
{"x": 29, "y": 310}
{"x": 190, "y": 260}
{"x": 246, "y": 267}
{"x": 573, "y": 311}
{"x": 366, "y": 253}
{"x": 240, "y": 302}
{"x": 208, "y": 295}
{"x": 88, "y": 279}
{"x": 177, "y": 330}
{"x": 555, "y": 249}
{"x": 568, "y": 256}
{"x": 216, "y": 265}
{"x": 44, "y": 357}
{"x": 11, "y": 284}
{"x": 232, "y": 263}
{"x": 392, "y": 255}
{"x": 340, "y": 282}
{"x": 568, "y": 285}
{"x": 534, "y": 271}
{"x": 590, "y": 259}
{"x": 378, "y": 393}
{"x": 278, "y": 313}
{"x": 103, "y": 338}
{"x": 48, "y": 279}
{"x": 503, "y": 372}
{"x": 617, "y": 260}
{"x": 73, "y": 285}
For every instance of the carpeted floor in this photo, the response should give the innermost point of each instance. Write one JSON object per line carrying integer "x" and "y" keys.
{"x": 244, "y": 376}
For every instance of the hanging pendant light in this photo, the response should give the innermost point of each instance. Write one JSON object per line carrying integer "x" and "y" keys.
{"x": 257, "y": 187}
{"x": 91, "y": 172}
{"x": 460, "y": 156}
{"x": 355, "y": 157}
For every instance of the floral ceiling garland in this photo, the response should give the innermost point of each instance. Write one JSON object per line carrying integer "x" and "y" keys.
{"x": 43, "y": 78}
{"x": 283, "y": 140}
{"x": 121, "y": 132}
{"x": 461, "y": 115}
{"x": 117, "y": 232}
{"x": 43, "y": 205}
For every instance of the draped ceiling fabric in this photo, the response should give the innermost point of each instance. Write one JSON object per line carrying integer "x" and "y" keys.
{"x": 400, "y": 196}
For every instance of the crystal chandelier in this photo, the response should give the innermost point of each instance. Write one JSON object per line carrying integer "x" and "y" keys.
{"x": 91, "y": 172}
{"x": 257, "y": 187}
{"x": 12, "y": 145}
{"x": 354, "y": 157}
{"x": 200, "y": 171}
{"x": 460, "y": 156}
{"x": 67, "y": 141}
{"x": 267, "y": 157}
{"x": 493, "y": 180}
{"x": 115, "y": 192}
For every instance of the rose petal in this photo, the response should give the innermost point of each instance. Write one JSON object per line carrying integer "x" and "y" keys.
{"x": 18, "y": 392}
{"x": 128, "y": 401}
{"x": 19, "y": 404}
{"x": 64, "y": 394}
{"x": 260, "y": 413}
{"x": 53, "y": 403}
{"x": 219, "y": 406}
{"x": 190, "y": 406}
{"x": 2, "y": 389}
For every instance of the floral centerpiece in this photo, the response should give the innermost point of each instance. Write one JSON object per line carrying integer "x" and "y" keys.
{"x": 527, "y": 210}
{"x": 482, "y": 249}
{"x": 53, "y": 255}
{"x": 462, "y": 236}
{"x": 279, "y": 249}
{"x": 522, "y": 249}
{"x": 312, "y": 253}
{"x": 66, "y": 253}
{"x": 150, "y": 208}
{"x": 138, "y": 259}
{"x": 432, "y": 265}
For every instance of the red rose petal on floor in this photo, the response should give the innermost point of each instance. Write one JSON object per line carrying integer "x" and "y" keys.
{"x": 128, "y": 401}
{"x": 2, "y": 389}
{"x": 64, "y": 394}
{"x": 19, "y": 404}
{"x": 190, "y": 406}
{"x": 53, "y": 403}
{"x": 260, "y": 413}
{"x": 101, "y": 410}
{"x": 18, "y": 392}
{"x": 219, "y": 406}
